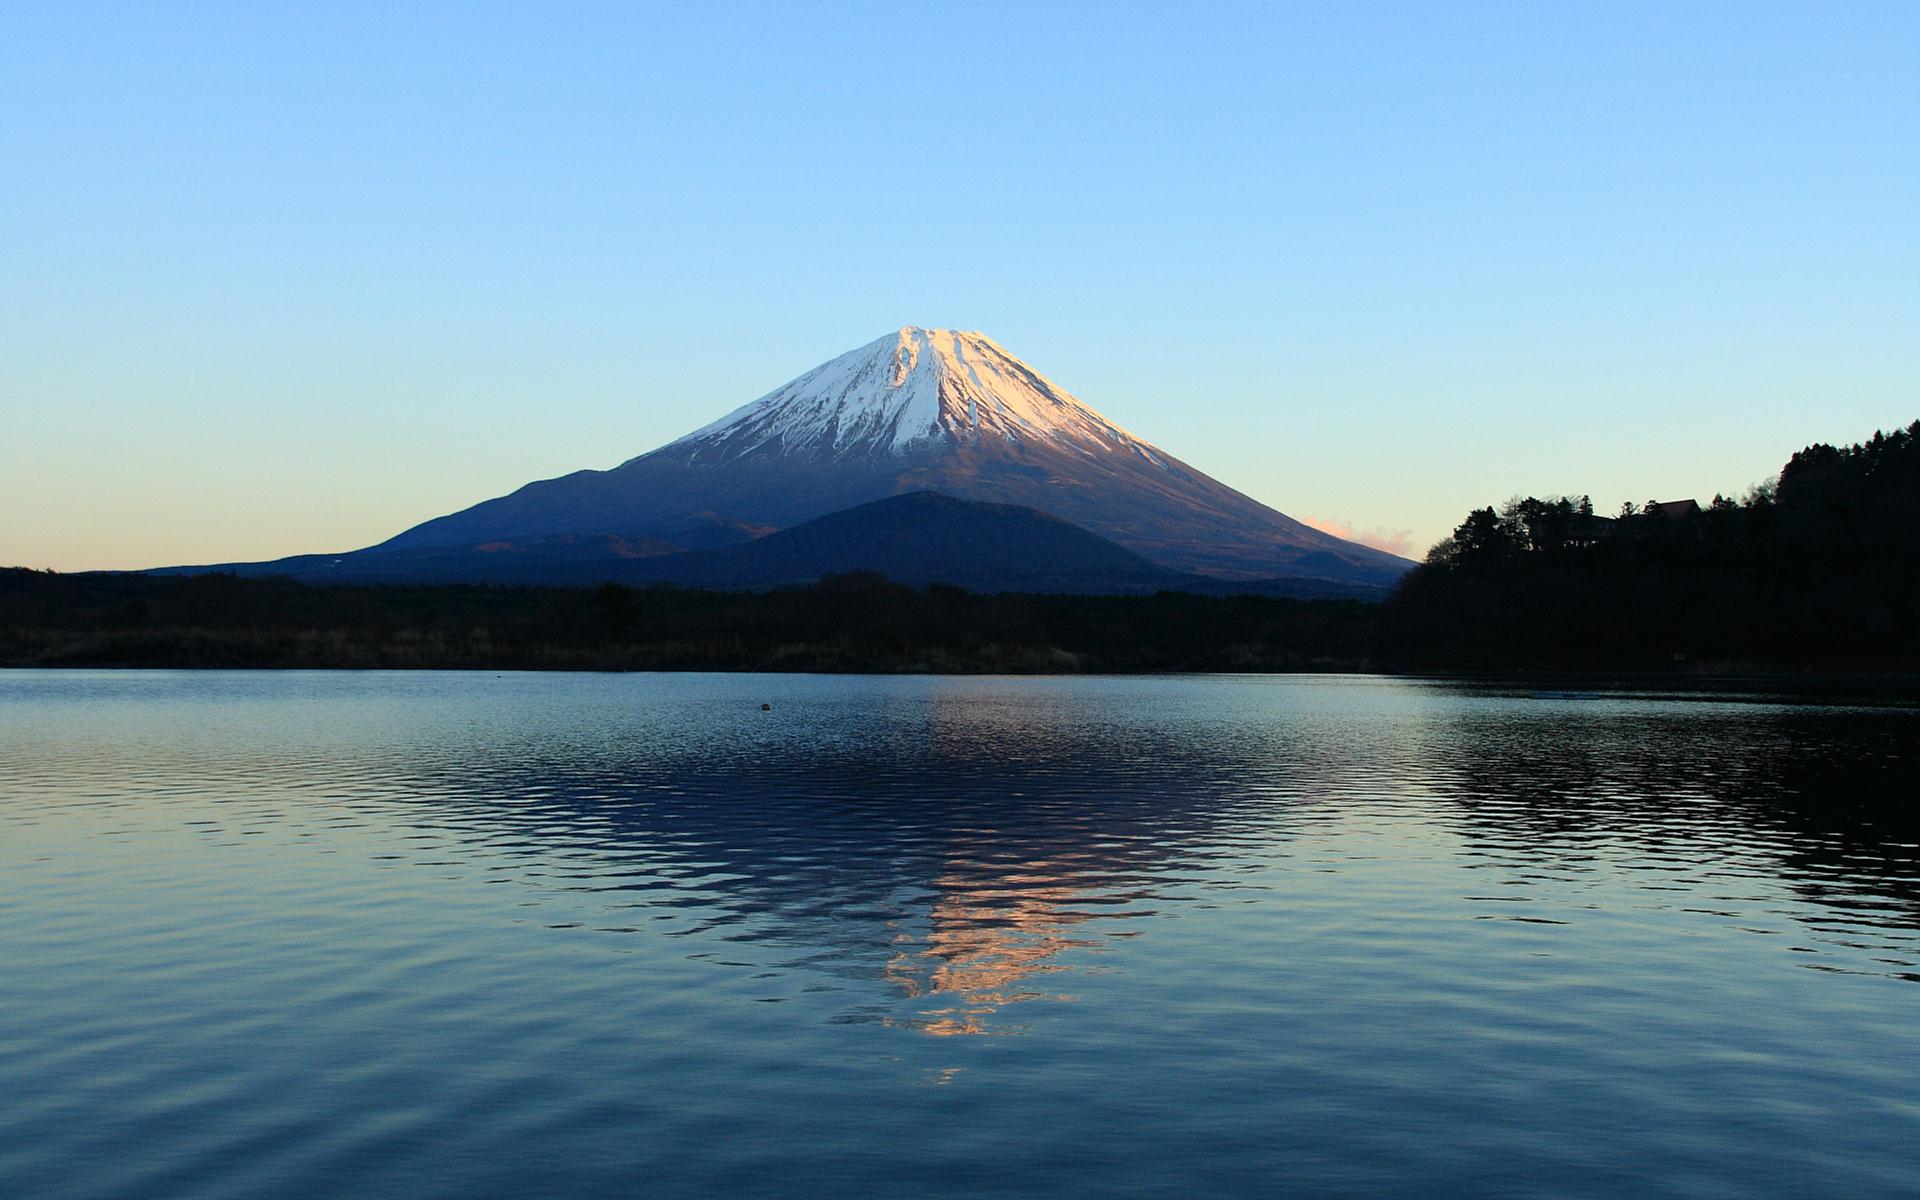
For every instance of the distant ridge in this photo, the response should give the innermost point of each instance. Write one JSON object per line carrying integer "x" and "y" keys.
{"x": 922, "y": 538}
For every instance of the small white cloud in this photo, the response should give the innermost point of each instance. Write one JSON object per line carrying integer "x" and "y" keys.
{"x": 1393, "y": 541}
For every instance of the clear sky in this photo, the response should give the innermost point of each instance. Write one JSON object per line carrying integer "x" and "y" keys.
{"x": 277, "y": 279}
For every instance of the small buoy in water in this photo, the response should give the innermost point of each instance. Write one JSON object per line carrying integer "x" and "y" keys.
{"x": 766, "y": 708}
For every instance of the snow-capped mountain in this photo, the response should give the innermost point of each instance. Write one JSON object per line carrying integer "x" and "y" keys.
{"x": 917, "y": 410}
{"x": 907, "y": 390}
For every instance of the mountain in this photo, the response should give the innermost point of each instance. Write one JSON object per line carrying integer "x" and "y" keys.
{"x": 917, "y": 410}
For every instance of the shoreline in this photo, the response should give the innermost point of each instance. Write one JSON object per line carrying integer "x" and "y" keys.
{"x": 1554, "y": 683}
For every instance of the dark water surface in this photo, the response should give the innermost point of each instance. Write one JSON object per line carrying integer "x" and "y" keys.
{"x": 455, "y": 935}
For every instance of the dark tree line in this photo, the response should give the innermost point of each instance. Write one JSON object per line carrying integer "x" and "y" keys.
{"x": 845, "y": 623}
{"x": 1816, "y": 571}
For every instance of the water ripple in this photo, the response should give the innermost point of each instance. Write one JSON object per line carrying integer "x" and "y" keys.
{"x": 272, "y": 934}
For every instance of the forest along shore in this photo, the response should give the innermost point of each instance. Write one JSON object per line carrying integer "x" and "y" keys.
{"x": 854, "y": 623}
{"x": 1810, "y": 575}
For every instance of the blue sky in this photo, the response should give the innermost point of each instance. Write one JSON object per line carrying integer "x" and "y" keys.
{"x": 291, "y": 278}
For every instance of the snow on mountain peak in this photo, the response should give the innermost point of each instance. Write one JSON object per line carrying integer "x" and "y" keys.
{"x": 910, "y": 389}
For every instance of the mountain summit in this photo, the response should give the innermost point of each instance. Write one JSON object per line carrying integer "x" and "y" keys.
{"x": 917, "y": 410}
{"x": 908, "y": 390}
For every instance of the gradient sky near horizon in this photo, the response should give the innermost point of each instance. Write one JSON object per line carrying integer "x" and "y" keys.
{"x": 279, "y": 279}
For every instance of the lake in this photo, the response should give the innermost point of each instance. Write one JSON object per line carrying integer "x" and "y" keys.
{"x": 472, "y": 935}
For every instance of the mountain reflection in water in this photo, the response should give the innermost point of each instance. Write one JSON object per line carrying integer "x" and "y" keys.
{"x": 955, "y": 838}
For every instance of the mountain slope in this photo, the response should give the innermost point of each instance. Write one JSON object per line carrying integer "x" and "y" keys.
{"x": 917, "y": 410}
{"x": 918, "y": 538}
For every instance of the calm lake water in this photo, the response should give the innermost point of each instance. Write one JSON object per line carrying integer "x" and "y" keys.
{"x": 467, "y": 935}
